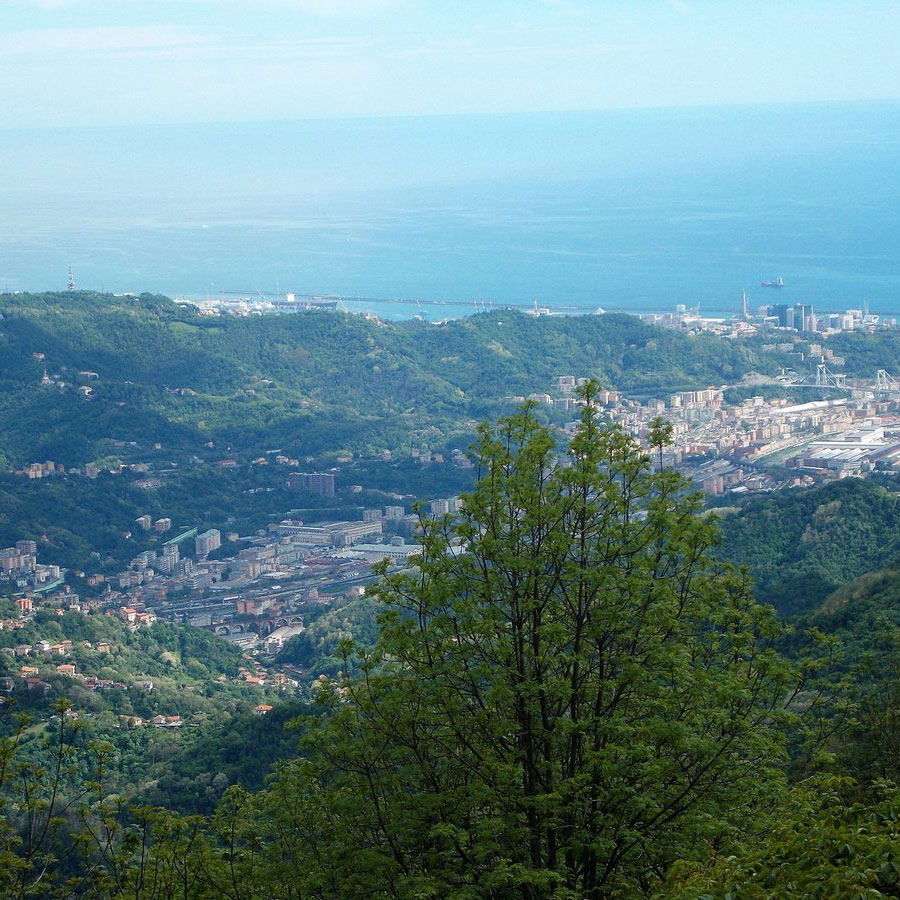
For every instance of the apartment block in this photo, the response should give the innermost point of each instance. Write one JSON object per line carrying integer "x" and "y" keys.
{"x": 321, "y": 483}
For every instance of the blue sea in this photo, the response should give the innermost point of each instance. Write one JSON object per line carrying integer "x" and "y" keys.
{"x": 625, "y": 210}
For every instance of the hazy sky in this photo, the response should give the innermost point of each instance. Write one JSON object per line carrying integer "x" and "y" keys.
{"x": 108, "y": 61}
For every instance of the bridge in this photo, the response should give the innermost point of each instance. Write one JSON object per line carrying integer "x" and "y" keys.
{"x": 259, "y": 625}
{"x": 825, "y": 379}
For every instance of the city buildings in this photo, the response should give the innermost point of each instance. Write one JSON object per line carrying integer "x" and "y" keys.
{"x": 338, "y": 534}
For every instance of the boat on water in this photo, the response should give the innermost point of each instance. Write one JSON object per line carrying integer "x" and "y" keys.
{"x": 779, "y": 282}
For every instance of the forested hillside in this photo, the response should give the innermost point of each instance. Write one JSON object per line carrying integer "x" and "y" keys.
{"x": 116, "y": 681}
{"x": 802, "y": 545}
{"x": 74, "y": 517}
{"x": 192, "y": 670}
{"x": 317, "y": 647}
{"x": 866, "y": 606}
{"x": 311, "y": 382}
{"x": 242, "y": 750}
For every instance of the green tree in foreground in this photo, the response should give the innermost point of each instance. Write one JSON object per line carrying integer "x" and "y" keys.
{"x": 819, "y": 843}
{"x": 660, "y": 435}
{"x": 569, "y": 695}
{"x": 569, "y": 698}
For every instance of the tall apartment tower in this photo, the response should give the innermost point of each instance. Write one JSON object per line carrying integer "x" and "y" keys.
{"x": 321, "y": 483}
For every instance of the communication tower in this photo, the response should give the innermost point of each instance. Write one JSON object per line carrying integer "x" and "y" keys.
{"x": 71, "y": 281}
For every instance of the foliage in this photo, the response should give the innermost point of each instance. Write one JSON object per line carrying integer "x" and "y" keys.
{"x": 34, "y": 806}
{"x": 240, "y": 751}
{"x": 316, "y": 648}
{"x": 800, "y": 546}
{"x": 561, "y": 706}
{"x": 868, "y": 747}
{"x": 313, "y": 382}
{"x": 818, "y": 844}
{"x": 862, "y": 610}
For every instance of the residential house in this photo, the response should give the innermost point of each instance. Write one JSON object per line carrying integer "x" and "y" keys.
{"x": 166, "y": 721}
{"x": 37, "y": 687}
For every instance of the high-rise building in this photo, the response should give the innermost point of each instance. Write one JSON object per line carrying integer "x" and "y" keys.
{"x": 784, "y": 313}
{"x": 804, "y": 317}
{"x": 321, "y": 483}
{"x": 171, "y": 552}
{"x": 208, "y": 541}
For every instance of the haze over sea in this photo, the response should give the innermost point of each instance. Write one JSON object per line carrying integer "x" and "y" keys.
{"x": 628, "y": 210}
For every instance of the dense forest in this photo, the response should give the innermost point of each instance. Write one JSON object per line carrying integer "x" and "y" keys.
{"x": 800, "y": 546}
{"x": 167, "y": 375}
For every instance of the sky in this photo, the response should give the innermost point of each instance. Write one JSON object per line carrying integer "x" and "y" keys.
{"x": 105, "y": 62}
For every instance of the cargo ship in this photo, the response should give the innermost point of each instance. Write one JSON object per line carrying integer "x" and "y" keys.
{"x": 779, "y": 282}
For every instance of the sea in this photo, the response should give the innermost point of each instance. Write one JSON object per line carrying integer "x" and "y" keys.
{"x": 442, "y": 216}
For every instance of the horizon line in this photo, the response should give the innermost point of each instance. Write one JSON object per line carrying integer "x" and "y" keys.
{"x": 476, "y": 114}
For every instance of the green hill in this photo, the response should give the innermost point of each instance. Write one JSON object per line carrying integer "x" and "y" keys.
{"x": 193, "y": 671}
{"x": 864, "y": 605}
{"x": 311, "y": 382}
{"x": 242, "y": 750}
{"x": 165, "y": 670}
{"x": 801, "y": 546}
{"x": 316, "y": 649}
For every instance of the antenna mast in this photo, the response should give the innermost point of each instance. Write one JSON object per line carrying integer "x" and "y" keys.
{"x": 71, "y": 278}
